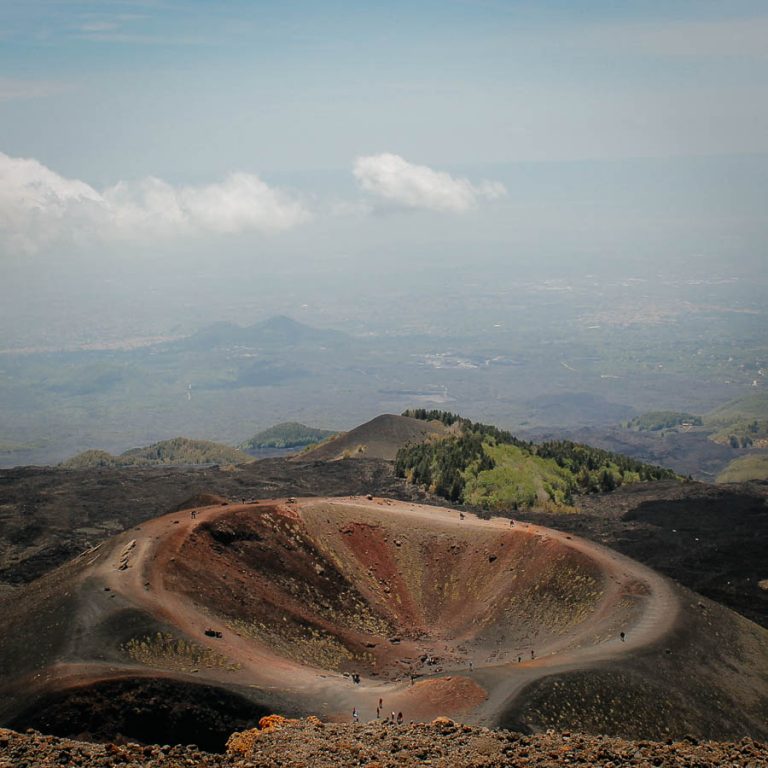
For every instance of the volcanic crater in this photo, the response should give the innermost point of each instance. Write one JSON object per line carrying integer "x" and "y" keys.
{"x": 367, "y": 589}
{"x": 325, "y": 605}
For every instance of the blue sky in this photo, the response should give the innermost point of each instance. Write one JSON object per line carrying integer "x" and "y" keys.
{"x": 104, "y": 90}
{"x": 167, "y": 130}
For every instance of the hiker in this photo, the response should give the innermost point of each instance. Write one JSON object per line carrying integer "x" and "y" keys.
{"x": 511, "y": 521}
{"x": 355, "y": 716}
{"x": 378, "y": 713}
{"x": 399, "y": 718}
{"x": 393, "y": 717}
{"x": 533, "y": 655}
{"x": 411, "y": 678}
{"x": 193, "y": 514}
{"x": 381, "y": 703}
{"x": 519, "y": 659}
{"x": 461, "y": 515}
{"x": 622, "y": 637}
{"x": 471, "y": 665}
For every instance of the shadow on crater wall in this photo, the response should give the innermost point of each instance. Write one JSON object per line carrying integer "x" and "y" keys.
{"x": 143, "y": 710}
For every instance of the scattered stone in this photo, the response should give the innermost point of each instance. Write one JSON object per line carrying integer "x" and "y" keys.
{"x": 302, "y": 743}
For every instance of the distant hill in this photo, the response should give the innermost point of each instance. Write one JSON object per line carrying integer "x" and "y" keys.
{"x": 278, "y": 331}
{"x": 750, "y": 407}
{"x": 179, "y": 450}
{"x": 380, "y": 438}
{"x": 742, "y": 423}
{"x": 753, "y": 466}
{"x": 94, "y": 458}
{"x": 490, "y": 468}
{"x": 654, "y": 421}
{"x": 288, "y": 434}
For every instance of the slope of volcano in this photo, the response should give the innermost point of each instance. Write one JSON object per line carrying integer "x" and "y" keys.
{"x": 322, "y": 605}
{"x": 379, "y": 438}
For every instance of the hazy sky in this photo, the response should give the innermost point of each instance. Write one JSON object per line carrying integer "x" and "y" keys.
{"x": 252, "y": 132}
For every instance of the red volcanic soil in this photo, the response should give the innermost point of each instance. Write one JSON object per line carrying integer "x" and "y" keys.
{"x": 325, "y": 605}
{"x": 389, "y": 590}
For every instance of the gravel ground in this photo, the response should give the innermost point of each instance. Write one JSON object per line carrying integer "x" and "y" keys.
{"x": 441, "y": 744}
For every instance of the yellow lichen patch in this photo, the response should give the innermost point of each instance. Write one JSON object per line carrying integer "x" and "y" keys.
{"x": 165, "y": 651}
{"x": 272, "y": 722}
{"x": 442, "y": 721}
{"x": 242, "y": 743}
{"x": 307, "y": 645}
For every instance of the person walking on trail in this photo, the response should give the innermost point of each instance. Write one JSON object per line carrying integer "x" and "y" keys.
{"x": 355, "y": 715}
{"x": 381, "y": 703}
{"x": 533, "y": 655}
{"x": 393, "y": 717}
{"x": 194, "y": 514}
{"x": 461, "y": 515}
{"x": 622, "y": 636}
{"x": 471, "y": 666}
{"x": 378, "y": 713}
{"x": 399, "y": 718}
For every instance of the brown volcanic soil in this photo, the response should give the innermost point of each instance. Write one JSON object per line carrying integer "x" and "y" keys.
{"x": 380, "y": 438}
{"x": 441, "y": 744}
{"x": 305, "y": 591}
{"x": 333, "y": 584}
{"x": 712, "y": 539}
{"x": 49, "y": 515}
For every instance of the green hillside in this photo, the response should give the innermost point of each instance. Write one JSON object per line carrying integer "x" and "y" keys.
{"x": 489, "y": 468}
{"x": 750, "y": 407}
{"x": 742, "y": 423}
{"x": 179, "y": 450}
{"x": 93, "y": 458}
{"x": 751, "y": 467}
{"x": 517, "y": 479}
{"x": 653, "y": 421}
{"x": 288, "y": 434}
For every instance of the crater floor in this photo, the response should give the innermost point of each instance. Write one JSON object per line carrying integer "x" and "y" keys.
{"x": 329, "y": 605}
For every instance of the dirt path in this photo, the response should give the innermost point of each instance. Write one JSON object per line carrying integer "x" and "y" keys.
{"x": 136, "y": 565}
{"x": 576, "y": 650}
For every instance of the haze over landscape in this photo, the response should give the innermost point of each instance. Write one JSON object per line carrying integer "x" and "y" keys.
{"x": 238, "y": 239}
{"x": 512, "y": 172}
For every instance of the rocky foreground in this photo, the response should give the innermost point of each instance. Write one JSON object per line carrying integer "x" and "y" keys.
{"x": 309, "y": 743}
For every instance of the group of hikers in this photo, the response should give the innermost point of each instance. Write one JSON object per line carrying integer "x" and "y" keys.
{"x": 391, "y": 718}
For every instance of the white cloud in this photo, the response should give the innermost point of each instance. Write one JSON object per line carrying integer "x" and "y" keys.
{"x": 38, "y": 206}
{"x": 394, "y": 180}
